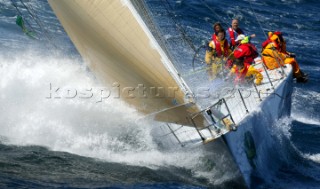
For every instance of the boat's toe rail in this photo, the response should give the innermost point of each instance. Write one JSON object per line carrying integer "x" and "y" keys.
{"x": 218, "y": 122}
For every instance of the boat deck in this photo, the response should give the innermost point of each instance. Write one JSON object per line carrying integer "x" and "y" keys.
{"x": 225, "y": 113}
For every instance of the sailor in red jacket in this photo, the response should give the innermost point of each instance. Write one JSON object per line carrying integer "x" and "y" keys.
{"x": 246, "y": 50}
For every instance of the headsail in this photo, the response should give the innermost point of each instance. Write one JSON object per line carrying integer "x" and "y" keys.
{"x": 114, "y": 41}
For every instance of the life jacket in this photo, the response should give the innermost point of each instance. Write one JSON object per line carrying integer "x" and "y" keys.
{"x": 241, "y": 75}
{"x": 247, "y": 51}
{"x": 219, "y": 50}
{"x": 253, "y": 49}
{"x": 232, "y": 36}
{"x": 214, "y": 36}
{"x": 275, "y": 38}
{"x": 265, "y": 43}
{"x": 265, "y": 46}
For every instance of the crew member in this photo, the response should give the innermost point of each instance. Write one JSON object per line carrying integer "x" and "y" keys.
{"x": 245, "y": 72}
{"x": 245, "y": 50}
{"x": 216, "y": 28}
{"x": 274, "y": 54}
{"x": 233, "y": 32}
{"x": 218, "y": 54}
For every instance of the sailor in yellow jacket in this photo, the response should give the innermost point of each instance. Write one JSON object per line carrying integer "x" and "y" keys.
{"x": 217, "y": 54}
{"x": 274, "y": 54}
{"x": 245, "y": 72}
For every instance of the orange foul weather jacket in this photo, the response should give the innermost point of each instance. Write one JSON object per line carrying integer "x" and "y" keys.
{"x": 273, "y": 56}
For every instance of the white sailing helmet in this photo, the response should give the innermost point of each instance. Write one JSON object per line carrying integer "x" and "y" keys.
{"x": 240, "y": 37}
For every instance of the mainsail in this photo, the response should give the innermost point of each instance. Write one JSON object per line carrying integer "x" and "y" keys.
{"x": 118, "y": 47}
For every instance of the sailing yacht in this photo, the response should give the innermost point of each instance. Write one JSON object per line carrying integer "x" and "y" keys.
{"x": 115, "y": 40}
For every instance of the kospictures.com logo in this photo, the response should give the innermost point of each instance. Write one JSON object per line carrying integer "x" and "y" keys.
{"x": 115, "y": 91}
{"x": 100, "y": 94}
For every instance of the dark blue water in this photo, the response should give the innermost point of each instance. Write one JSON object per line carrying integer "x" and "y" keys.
{"x": 77, "y": 143}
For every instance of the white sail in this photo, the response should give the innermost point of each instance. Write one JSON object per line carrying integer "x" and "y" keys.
{"x": 119, "y": 48}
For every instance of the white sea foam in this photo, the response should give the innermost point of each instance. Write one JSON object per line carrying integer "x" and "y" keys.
{"x": 282, "y": 128}
{"x": 307, "y": 101}
{"x": 305, "y": 119}
{"x": 104, "y": 130}
{"x": 313, "y": 157}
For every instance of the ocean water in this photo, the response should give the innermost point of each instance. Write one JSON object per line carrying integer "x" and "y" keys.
{"x": 50, "y": 140}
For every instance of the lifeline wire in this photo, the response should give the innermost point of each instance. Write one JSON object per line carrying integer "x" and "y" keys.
{"x": 181, "y": 29}
{"x": 36, "y": 19}
{"x": 20, "y": 13}
{"x": 257, "y": 20}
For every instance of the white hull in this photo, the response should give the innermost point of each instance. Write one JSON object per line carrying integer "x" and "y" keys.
{"x": 259, "y": 124}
